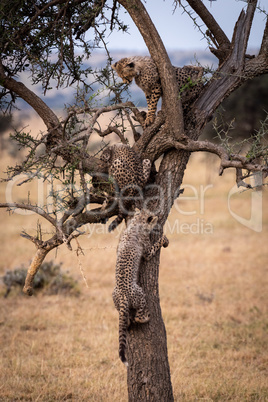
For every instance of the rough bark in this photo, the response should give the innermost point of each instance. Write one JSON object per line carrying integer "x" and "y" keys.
{"x": 35, "y": 264}
{"x": 148, "y": 369}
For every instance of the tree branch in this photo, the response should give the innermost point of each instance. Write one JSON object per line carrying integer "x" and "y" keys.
{"x": 141, "y": 146}
{"x": 46, "y": 114}
{"x": 227, "y": 161}
{"x": 109, "y": 130}
{"x": 264, "y": 44}
{"x": 64, "y": 235}
{"x": 29, "y": 207}
{"x": 35, "y": 265}
{"x": 27, "y": 27}
{"x": 251, "y": 8}
{"x": 232, "y": 72}
{"x": 97, "y": 113}
{"x": 224, "y": 44}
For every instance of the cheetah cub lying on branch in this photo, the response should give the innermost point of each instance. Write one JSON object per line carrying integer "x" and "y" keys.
{"x": 128, "y": 296}
{"x": 129, "y": 174}
{"x": 145, "y": 73}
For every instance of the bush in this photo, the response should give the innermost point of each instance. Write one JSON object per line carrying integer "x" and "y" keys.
{"x": 50, "y": 279}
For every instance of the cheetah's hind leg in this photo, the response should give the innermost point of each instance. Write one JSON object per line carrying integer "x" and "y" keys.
{"x": 142, "y": 314}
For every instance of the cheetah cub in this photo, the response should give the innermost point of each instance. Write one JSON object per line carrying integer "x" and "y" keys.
{"x": 128, "y": 296}
{"x": 129, "y": 174}
{"x": 145, "y": 73}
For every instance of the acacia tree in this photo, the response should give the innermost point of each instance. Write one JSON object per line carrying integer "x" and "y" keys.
{"x": 43, "y": 39}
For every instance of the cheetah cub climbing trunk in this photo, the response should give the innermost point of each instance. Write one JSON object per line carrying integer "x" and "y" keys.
{"x": 128, "y": 296}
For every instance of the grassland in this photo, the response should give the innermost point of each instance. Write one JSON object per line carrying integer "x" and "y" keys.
{"x": 213, "y": 288}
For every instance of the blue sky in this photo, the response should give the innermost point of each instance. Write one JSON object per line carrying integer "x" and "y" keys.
{"x": 177, "y": 30}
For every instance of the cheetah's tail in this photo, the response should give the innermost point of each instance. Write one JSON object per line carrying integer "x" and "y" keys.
{"x": 123, "y": 325}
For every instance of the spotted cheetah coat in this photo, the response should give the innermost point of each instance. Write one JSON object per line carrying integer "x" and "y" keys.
{"x": 128, "y": 296}
{"x": 129, "y": 174}
{"x": 145, "y": 73}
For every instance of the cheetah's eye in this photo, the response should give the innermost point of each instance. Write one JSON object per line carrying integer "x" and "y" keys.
{"x": 149, "y": 220}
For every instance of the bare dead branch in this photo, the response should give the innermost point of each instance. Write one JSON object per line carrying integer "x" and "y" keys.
{"x": 218, "y": 34}
{"x": 264, "y": 44}
{"x": 65, "y": 231}
{"x": 227, "y": 78}
{"x": 33, "y": 239}
{"x": 109, "y": 130}
{"x": 97, "y": 112}
{"x": 29, "y": 207}
{"x": 32, "y": 270}
{"x": 74, "y": 236}
{"x": 241, "y": 36}
{"x": 227, "y": 161}
{"x": 136, "y": 135}
{"x": 101, "y": 110}
{"x": 61, "y": 235}
{"x": 252, "y": 4}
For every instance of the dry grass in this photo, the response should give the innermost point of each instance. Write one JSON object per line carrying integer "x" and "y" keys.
{"x": 213, "y": 291}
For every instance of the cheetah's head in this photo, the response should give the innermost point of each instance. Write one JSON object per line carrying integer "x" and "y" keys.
{"x": 125, "y": 69}
{"x": 146, "y": 219}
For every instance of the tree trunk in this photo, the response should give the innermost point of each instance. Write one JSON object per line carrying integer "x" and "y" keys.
{"x": 148, "y": 367}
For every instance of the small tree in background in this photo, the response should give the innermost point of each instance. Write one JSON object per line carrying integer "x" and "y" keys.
{"x": 50, "y": 42}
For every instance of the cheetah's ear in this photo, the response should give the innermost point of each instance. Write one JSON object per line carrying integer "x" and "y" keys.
{"x": 131, "y": 65}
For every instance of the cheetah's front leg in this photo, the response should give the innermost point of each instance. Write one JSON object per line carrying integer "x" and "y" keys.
{"x": 146, "y": 169}
{"x": 152, "y": 101}
{"x": 162, "y": 242}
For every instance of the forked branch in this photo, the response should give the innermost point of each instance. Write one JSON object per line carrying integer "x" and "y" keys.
{"x": 34, "y": 208}
{"x": 219, "y": 37}
{"x": 234, "y": 70}
{"x": 236, "y": 161}
{"x": 65, "y": 231}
